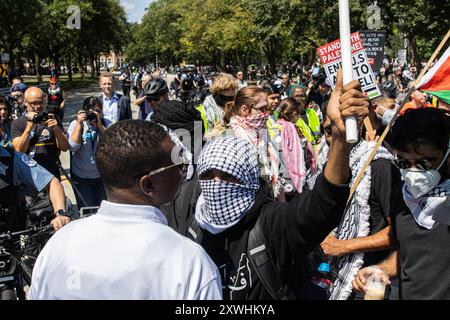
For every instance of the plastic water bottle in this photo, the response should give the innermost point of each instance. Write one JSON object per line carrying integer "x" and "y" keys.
{"x": 323, "y": 277}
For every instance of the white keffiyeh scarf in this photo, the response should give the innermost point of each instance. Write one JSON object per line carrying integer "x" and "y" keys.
{"x": 355, "y": 222}
{"x": 222, "y": 204}
{"x": 432, "y": 207}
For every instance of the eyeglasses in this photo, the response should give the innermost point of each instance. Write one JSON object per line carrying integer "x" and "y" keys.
{"x": 182, "y": 166}
{"x": 37, "y": 103}
{"x": 419, "y": 164}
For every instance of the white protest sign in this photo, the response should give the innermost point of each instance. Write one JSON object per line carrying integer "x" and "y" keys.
{"x": 330, "y": 55}
{"x": 402, "y": 56}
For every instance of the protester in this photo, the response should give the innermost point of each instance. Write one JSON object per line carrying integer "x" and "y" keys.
{"x": 241, "y": 81}
{"x": 419, "y": 209}
{"x": 127, "y": 81}
{"x": 84, "y": 133}
{"x": 126, "y": 251}
{"x": 318, "y": 93}
{"x": 56, "y": 99}
{"x": 223, "y": 90}
{"x": 296, "y": 152}
{"x": 308, "y": 122}
{"x": 246, "y": 117}
{"x": 285, "y": 86}
{"x": 234, "y": 200}
{"x": 418, "y": 100}
{"x": 116, "y": 107}
{"x": 273, "y": 99}
{"x": 363, "y": 236}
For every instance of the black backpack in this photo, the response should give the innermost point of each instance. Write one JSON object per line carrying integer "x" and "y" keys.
{"x": 262, "y": 263}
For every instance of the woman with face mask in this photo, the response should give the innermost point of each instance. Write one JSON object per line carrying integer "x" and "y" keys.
{"x": 222, "y": 90}
{"x": 246, "y": 117}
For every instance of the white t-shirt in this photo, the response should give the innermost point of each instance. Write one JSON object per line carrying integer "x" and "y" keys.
{"x": 123, "y": 252}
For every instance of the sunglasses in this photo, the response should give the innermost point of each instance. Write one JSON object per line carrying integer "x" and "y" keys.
{"x": 183, "y": 167}
{"x": 403, "y": 164}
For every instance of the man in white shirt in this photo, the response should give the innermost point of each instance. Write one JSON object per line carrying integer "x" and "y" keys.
{"x": 115, "y": 106}
{"x": 126, "y": 250}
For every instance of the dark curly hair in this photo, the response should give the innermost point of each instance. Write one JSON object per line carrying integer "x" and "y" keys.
{"x": 417, "y": 126}
{"x": 130, "y": 149}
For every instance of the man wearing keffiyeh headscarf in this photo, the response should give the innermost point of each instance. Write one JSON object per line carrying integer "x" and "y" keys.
{"x": 233, "y": 199}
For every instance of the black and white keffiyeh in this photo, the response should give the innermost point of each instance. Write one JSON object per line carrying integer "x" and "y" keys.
{"x": 432, "y": 207}
{"x": 222, "y": 204}
{"x": 355, "y": 222}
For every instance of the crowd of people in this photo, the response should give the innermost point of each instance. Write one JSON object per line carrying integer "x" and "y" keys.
{"x": 227, "y": 188}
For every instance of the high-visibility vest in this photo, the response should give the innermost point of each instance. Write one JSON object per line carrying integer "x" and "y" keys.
{"x": 311, "y": 131}
{"x": 202, "y": 110}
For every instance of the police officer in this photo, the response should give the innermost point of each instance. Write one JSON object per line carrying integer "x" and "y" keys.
{"x": 16, "y": 168}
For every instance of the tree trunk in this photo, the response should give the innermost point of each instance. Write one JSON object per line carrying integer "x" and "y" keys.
{"x": 37, "y": 64}
{"x": 91, "y": 61}
{"x": 415, "y": 58}
{"x": 69, "y": 62}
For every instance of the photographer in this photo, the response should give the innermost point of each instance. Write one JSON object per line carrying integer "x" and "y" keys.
{"x": 84, "y": 133}
{"x": 38, "y": 134}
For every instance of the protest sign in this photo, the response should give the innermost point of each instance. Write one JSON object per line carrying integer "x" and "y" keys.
{"x": 402, "y": 56}
{"x": 373, "y": 42}
{"x": 330, "y": 56}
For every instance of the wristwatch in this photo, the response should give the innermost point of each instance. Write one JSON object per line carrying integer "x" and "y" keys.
{"x": 62, "y": 212}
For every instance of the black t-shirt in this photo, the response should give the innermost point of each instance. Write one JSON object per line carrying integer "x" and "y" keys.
{"x": 42, "y": 146}
{"x": 384, "y": 176}
{"x": 424, "y": 254}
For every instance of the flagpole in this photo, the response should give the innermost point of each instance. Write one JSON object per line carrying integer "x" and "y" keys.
{"x": 391, "y": 123}
{"x": 347, "y": 68}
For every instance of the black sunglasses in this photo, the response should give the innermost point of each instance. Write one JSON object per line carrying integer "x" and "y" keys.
{"x": 419, "y": 164}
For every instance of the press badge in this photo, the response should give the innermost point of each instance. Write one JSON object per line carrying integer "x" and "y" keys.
{"x": 93, "y": 159}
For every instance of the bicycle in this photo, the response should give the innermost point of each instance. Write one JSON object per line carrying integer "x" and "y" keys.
{"x": 16, "y": 261}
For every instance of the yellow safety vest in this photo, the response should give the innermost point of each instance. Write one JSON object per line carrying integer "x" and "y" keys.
{"x": 202, "y": 110}
{"x": 311, "y": 131}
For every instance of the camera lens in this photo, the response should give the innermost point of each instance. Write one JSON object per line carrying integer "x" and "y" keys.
{"x": 91, "y": 116}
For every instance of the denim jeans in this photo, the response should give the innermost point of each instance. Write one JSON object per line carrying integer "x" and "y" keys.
{"x": 91, "y": 190}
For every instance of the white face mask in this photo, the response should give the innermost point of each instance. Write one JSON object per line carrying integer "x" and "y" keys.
{"x": 420, "y": 182}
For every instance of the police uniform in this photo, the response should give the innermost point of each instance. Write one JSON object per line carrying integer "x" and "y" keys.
{"x": 16, "y": 168}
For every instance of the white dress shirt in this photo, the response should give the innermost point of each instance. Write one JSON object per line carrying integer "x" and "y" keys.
{"x": 123, "y": 252}
{"x": 110, "y": 109}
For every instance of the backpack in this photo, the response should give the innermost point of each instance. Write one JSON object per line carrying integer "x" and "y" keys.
{"x": 260, "y": 259}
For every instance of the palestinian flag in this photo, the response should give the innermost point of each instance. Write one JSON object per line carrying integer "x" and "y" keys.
{"x": 437, "y": 80}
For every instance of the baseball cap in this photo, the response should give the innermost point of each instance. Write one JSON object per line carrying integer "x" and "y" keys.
{"x": 18, "y": 87}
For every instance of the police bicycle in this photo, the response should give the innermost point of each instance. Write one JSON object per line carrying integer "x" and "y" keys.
{"x": 18, "y": 254}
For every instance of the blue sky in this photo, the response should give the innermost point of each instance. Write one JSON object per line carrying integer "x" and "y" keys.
{"x": 135, "y": 9}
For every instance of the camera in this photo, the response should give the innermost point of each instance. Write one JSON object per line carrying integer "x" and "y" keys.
{"x": 91, "y": 116}
{"x": 41, "y": 119}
